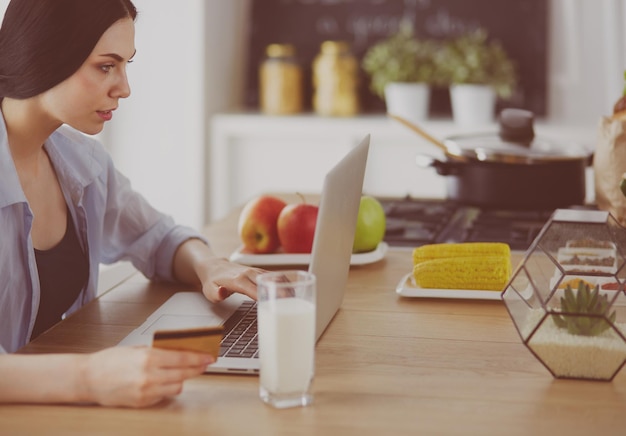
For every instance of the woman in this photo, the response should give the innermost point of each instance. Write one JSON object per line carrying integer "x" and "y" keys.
{"x": 64, "y": 208}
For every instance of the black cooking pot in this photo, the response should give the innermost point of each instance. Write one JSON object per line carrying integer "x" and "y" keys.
{"x": 512, "y": 169}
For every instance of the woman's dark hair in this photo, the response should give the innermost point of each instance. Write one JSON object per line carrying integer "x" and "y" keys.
{"x": 43, "y": 42}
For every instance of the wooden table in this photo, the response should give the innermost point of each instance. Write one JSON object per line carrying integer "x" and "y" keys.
{"x": 385, "y": 366}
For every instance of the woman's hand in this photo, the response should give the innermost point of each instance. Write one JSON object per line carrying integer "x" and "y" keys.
{"x": 117, "y": 376}
{"x": 221, "y": 278}
{"x": 195, "y": 264}
{"x": 139, "y": 376}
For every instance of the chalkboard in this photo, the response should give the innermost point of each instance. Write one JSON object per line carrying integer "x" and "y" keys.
{"x": 520, "y": 25}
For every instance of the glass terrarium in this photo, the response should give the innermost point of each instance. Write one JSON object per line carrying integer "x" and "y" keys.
{"x": 567, "y": 297}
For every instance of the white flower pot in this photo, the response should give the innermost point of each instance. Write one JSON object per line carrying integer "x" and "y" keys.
{"x": 408, "y": 100}
{"x": 473, "y": 105}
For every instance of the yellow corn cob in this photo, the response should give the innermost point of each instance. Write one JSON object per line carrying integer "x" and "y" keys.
{"x": 463, "y": 249}
{"x": 465, "y": 272}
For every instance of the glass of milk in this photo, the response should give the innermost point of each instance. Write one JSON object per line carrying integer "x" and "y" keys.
{"x": 286, "y": 332}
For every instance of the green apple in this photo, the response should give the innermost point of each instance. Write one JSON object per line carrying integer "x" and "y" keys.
{"x": 370, "y": 225}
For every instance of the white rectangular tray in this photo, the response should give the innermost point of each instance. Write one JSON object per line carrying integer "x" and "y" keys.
{"x": 303, "y": 259}
{"x": 407, "y": 288}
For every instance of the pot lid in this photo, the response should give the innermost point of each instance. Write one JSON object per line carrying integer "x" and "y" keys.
{"x": 514, "y": 143}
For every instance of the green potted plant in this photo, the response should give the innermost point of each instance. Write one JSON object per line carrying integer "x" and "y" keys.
{"x": 402, "y": 69}
{"x": 477, "y": 71}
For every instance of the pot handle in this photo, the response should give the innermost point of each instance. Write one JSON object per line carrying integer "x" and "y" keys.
{"x": 443, "y": 168}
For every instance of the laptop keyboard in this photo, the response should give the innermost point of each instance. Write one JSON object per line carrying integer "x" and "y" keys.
{"x": 240, "y": 333}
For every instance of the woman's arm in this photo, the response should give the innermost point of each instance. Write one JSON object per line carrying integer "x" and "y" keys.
{"x": 118, "y": 376}
{"x": 195, "y": 264}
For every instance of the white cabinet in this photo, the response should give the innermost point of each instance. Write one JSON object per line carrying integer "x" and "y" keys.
{"x": 252, "y": 154}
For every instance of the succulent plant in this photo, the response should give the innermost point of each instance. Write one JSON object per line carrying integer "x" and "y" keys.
{"x": 584, "y": 312}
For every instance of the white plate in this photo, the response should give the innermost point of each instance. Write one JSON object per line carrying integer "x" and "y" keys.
{"x": 407, "y": 288}
{"x": 303, "y": 259}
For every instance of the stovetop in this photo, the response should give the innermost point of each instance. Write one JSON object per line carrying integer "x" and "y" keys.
{"x": 414, "y": 222}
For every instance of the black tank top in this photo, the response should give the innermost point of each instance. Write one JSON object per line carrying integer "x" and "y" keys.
{"x": 63, "y": 273}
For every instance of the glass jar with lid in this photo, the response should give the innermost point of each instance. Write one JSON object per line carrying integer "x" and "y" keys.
{"x": 335, "y": 80}
{"x": 280, "y": 81}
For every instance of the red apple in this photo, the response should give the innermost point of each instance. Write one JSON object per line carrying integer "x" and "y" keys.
{"x": 296, "y": 227}
{"x": 257, "y": 225}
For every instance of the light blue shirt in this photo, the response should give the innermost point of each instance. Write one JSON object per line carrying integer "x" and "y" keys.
{"x": 113, "y": 223}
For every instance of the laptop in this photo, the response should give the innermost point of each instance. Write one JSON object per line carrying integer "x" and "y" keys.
{"x": 330, "y": 262}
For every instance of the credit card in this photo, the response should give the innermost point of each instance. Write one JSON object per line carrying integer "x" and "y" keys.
{"x": 201, "y": 339}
